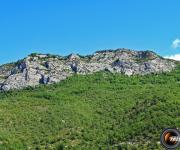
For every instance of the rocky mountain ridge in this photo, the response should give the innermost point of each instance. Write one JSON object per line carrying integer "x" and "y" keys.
{"x": 46, "y": 69}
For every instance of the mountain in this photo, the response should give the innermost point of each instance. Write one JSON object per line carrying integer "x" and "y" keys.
{"x": 99, "y": 111}
{"x": 46, "y": 69}
{"x": 113, "y": 99}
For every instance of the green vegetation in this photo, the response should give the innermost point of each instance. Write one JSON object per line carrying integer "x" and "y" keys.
{"x": 48, "y": 56}
{"x": 98, "y": 111}
{"x": 142, "y": 60}
{"x": 7, "y": 67}
{"x": 3, "y": 77}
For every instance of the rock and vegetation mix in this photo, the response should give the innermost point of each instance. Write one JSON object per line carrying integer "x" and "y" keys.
{"x": 47, "y": 69}
{"x": 102, "y": 110}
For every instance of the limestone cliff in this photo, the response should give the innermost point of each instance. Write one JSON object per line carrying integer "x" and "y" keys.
{"x": 45, "y": 69}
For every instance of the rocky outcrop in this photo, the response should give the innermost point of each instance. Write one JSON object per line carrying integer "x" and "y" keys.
{"x": 46, "y": 69}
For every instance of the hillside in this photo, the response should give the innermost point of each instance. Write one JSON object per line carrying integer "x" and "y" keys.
{"x": 38, "y": 69}
{"x": 91, "y": 112}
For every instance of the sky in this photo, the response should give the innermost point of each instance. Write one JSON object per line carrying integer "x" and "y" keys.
{"x": 84, "y": 26}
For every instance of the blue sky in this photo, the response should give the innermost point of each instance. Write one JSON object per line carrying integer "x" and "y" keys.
{"x": 84, "y": 26}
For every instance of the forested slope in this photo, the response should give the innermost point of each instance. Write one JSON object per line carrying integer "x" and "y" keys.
{"x": 93, "y": 111}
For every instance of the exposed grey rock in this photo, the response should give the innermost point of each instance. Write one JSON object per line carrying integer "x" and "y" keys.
{"x": 46, "y": 69}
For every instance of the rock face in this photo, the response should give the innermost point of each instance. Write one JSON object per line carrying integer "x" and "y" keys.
{"x": 46, "y": 69}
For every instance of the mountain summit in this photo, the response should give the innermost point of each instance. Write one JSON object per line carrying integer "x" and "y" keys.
{"x": 45, "y": 68}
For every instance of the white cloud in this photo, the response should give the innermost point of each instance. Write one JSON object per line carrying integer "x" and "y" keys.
{"x": 175, "y": 57}
{"x": 176, "y": 43}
